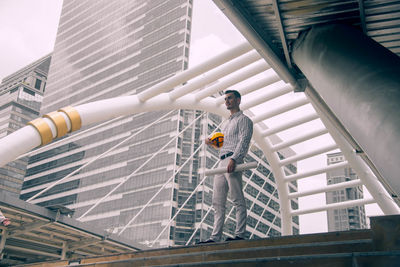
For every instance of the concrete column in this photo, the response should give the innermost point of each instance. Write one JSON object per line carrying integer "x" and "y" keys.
{"x": 359, "y": 80}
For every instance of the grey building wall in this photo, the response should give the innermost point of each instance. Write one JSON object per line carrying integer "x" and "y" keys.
{"x": 349, "y": 218}
{"x": 21, "y": 95}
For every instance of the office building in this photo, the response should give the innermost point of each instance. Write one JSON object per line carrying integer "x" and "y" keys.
{"x": 348, "y": 218}
{"x": 21, "y": 95}
{"x": 112, "y": 48}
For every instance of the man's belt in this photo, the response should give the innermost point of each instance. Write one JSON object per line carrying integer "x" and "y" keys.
{"x": 226, "y": 155}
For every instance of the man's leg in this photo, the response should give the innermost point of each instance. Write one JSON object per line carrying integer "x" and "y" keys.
{"x": 219, "y": 200}
{"x": 237, "y": 196}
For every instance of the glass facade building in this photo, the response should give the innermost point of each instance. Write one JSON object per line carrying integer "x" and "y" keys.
{"x": 21, "y": 95}
{"x": 111, "y": 48}
{"x": 349, "y": 218}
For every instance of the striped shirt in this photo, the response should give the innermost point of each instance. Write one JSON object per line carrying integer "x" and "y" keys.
{"x": 237, "y": 135}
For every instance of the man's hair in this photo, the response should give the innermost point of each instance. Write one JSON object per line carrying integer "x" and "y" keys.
{"x": 236, "y": 93}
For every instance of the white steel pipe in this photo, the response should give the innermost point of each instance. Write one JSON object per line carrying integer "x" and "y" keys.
{"x": 270, "y": 78}
{"x": 279, "y": 174}
{"x": 68, "y": 139}
{"x": 290, "y": 124}
{"x": 306, "y": 174}
{"x": 375, "y": 188}
{"x": 300, "y": 139}
{"x": 252, "y": 70}
{"x": 325, "y": 189}
{"x": 193, "y": 72}
{"x": 27, "y": 138}
{"x": 338, "y": 205}
{"x": 239, "y": 167}
{"x": 216, "y": 74}
{"x": 282, "y": 109}
{"x": 18, "y": 143}
{"x": 308, "y": 154}
{"x": 263, "y": 97}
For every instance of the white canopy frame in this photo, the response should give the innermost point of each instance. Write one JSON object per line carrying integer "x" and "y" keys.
{"x": 170, "y": 94}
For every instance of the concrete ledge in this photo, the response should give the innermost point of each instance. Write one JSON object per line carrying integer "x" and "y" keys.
{"x": 386, "y": 232}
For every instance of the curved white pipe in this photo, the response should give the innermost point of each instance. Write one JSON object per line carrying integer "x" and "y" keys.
{"x": 240, "y": 167}
{"x": 27, "y": 138}
{"x": 281, "y": 183}
{"x": 18, "y": 143}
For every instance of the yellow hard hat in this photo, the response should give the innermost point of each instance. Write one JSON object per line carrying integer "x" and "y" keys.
{"x": 217, "y": 139}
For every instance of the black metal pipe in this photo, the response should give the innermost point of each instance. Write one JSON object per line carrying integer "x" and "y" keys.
{"x": 359, "y": 80}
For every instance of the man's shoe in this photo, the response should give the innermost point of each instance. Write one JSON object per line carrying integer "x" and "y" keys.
{"x": 208, "y": 241}
{"x": 234, "y": 238}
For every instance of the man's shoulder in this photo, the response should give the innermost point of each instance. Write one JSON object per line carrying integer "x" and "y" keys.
{"x": 245, "y": 117}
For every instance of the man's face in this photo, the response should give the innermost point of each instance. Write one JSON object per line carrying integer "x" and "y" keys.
{"x": 231, "y": 101}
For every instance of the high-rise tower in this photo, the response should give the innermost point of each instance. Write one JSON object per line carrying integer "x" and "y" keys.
{"x": 21, "y": 95}
{"x": 349, "y": 218}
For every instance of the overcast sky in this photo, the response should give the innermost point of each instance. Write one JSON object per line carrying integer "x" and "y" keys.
{"x": 28, "y": 30}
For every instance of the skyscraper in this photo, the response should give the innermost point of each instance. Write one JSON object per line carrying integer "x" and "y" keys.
{"x": 349, "y": 218}
{"x": 111, "y": 48}
{"x": 21, "y": 95}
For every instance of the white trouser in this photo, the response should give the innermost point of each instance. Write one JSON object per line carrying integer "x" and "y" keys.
{"x": 223, "y": 183}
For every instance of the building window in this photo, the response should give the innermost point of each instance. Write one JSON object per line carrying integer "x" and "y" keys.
{"x": 38, "y": 83}
{"x": 29, "y": 91}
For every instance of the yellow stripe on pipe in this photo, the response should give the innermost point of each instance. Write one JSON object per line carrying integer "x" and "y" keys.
{"x": 59, "y": 121}
{"x": 44, "y": 130}
{"x": 75, "y": 118}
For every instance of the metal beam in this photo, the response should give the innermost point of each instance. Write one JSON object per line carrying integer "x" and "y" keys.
{"x": 268, "y": 95}
{"x": 308, "y": 154}
{"x": 24, "y": 229}
{"x": 282, "y": 109}
{"x": 306, "y": 174}
{"x": 290, "y": 124}
{"x": 325, "y": 189}
{"x": 362, "y": 15}
{"x": 193, "y": 72}
{"x": 339, "y": 205}
{"x": 281, "y": 32}
{"x": 254, "y": 69}
{"x": 35, "y": 252}
{"x": 40, "y": 239}
{"x": 215, "y": 74}
{"x": 82, "y": 244}
{"x": 300, "y": 138}
{"x": 260, "y": 43}
{"x": 270, "y": 78}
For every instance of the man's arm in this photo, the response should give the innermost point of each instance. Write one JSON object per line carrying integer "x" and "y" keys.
{"x": 245, "y": 126}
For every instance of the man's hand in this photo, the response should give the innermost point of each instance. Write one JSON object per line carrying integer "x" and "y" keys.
{"x": 231, "y": 166}
{"x": 208, "y": 141}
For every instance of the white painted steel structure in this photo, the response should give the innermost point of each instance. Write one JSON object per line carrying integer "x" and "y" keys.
{"x": 217, "y": 74}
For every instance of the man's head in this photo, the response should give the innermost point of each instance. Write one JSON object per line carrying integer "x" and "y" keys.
{"x": 232, "y": 100}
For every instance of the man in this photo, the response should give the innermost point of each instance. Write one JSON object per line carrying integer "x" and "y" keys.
{"x": 237, "y": 135}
